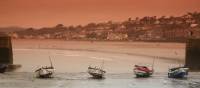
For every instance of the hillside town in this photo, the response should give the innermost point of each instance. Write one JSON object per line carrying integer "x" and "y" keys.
{"x": 164, "y": 28}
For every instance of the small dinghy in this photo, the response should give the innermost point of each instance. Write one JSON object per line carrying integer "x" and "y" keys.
{"x": 178, "y": 72}
{"x": 3, "y": 68}
{"x": 45, "y": 71}
{"x": 142, "y": 71}
{"x": 96, "y": 72}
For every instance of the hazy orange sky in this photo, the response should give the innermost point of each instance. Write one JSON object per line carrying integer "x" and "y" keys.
{"x": 41, "y": 13}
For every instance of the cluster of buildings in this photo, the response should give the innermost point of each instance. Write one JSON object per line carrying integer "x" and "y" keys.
{"x": 138, "y": 29}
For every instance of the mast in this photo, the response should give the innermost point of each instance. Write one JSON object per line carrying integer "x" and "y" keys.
{"x": 102, "y": 64}
{"x": 153, "y": 63}
{"x": 178, "y": 61}
{"x": 50, "y": 61}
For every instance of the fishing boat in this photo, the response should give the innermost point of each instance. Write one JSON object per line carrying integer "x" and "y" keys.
{"x": 97, "y": 72}
{"x": 45, "y": 71}
{"x": 178, "y": 72}
{"x": 142, "y": 71}
{"x": 3, "y": 68}
{"x": 8, "y": 67}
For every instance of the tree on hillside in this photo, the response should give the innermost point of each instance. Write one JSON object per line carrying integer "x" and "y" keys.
{"x": 92, "y": 35}
{"x": 195, "y": 16}
{"x": 59, "y": 26}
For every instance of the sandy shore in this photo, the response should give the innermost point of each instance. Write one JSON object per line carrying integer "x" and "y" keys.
{"x": 76, "y": 56}
{"x": 162, "y": 50}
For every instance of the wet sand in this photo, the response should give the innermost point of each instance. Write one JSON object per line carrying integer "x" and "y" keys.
{"x": 165, "y": 50}
{"x": 119, "y": 57}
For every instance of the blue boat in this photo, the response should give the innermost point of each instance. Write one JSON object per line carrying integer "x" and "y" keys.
{"x": 178, "y": 72}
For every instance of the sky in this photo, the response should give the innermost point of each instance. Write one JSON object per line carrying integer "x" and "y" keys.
{"x": 48, "y": 13}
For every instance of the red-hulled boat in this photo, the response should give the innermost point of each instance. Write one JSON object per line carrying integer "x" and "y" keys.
{"x": 142, "y": 71}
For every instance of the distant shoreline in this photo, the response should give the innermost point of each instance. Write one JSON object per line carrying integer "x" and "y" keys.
{"x": 142, "y": 41}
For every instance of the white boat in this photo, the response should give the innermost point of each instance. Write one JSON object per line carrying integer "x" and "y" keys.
{"x": 97, "y": 72}
{"x": 45, "y": 71}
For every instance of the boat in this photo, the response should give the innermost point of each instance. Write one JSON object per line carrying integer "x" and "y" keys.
{"x": 178, "y": 72}
{"x": 45, "y": 71}
{"x": 8, "y": 67}
{"x": 142, "y": 71}
{"x": 3, "y": 68}
{"x": 97, "y": 72}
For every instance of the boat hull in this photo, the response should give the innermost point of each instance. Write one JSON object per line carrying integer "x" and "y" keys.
{"x": 96, "y": 75}
{"x": 177, "y": 75}
{"x": 138, "y": 75}
{"x": 45, "y": 76}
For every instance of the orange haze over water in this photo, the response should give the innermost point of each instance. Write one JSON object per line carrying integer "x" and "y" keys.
{"x": 40, "y": 13}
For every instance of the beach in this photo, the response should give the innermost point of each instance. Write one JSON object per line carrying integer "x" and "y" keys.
{"x": 119, "y": 57}
{"x": 72, "y": 58}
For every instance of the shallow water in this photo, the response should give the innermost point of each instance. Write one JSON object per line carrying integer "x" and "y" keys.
{"x": 71, "y": 69}
{"x": 83, "y": 80}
